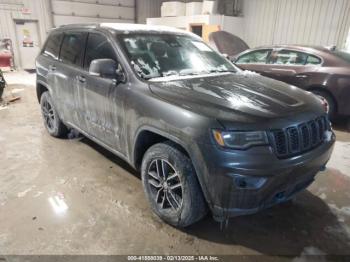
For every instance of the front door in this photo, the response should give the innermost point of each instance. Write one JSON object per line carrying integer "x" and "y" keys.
{"x": 257, "y": 61}
{"x": 101, "y": 99}
{"x": 28, "y": 43}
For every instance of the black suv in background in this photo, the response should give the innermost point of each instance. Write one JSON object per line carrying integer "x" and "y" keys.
{"x": 203, "y": 133}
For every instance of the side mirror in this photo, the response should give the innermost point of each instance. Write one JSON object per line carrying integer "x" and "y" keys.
{"x": 233, "y": 59}
{"x": 103, "y": 68}
{"x": 225, "y": 56}
{"x": 121, "y": 77}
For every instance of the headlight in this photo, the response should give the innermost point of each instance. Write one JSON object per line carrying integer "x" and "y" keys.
{"x": 240, "y": 140}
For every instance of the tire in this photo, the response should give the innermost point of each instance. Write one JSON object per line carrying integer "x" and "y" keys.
{"x": 178, "y": 199}
{"x": 52, "y": 122}
{"x": 348, "y": 124}
{"x": 330, "y": 101}
{"x": 1, "y": 91}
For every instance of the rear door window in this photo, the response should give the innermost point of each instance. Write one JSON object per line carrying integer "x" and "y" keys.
{"x": 255, "y": 57}
{"x": 98, "y": 47}
{"x": 313, "y": 60}
{"x": 53, "y": 44}
{"x": 290, "y": 57}
{"x": 294, "y": 58}
{"x": 72, "y": 48}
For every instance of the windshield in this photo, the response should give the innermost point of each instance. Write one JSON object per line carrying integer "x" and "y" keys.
{"x": 343, "y": 55}
{"x": 160, "y": 55}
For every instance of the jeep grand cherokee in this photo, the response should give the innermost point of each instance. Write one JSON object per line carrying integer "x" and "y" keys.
{"x": 204, "y": 134}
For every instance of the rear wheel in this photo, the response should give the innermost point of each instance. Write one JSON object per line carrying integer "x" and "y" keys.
{"x": 52, "y": 122}
{"x": 171, "y": 185}
{"x": 329, "y": 100}
{"x": 348, "y": 124}
{"x": 1, "y": 91}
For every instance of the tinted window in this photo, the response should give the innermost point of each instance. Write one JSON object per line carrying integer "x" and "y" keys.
{"x": 52, "y": 47}
{"x": 313, "y": 60}
{"x": 255, "y": 57}
{"x": 98, "y": 47}
{"x": 72, "y": 48}
{"x": 290, "y": 57}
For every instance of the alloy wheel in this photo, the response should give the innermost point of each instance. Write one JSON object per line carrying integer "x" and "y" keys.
{"x": 165, "y": 184}
{"x": 49, "y": 115}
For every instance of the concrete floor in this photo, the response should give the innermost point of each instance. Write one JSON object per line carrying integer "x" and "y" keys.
{"x": 70, "y": 196}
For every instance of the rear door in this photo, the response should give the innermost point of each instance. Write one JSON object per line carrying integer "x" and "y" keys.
{"x": 47, "y": 63}
{"x": 100, "y": 98}
{"x": 293, "y": 66}
{"x": 66, "y": 72}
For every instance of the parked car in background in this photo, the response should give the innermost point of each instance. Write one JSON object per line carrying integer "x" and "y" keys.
{"x": 323, "y": 71}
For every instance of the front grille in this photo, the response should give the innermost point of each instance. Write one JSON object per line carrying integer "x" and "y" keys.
{"x": 298, "y": 139}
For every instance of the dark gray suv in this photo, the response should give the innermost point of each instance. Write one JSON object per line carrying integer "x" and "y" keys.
{"x": 204, "y": 134}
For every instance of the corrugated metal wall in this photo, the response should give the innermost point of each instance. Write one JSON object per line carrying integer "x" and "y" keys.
{"x": 7, "y": 8}
{"x": 146, "y": 9}
{"x": 311, "y": 22}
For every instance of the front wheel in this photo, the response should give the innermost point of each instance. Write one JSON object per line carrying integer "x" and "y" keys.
{"x": 171, "y": 185}
{"x": 52, "y": 122}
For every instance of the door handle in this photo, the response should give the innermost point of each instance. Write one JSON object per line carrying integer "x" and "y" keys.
{"x": 52, "y": 68}
{"x": 301, "y": 76}
{"x": 81, "y": 79}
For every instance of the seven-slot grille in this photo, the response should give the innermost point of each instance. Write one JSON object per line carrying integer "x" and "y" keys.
{"x": 294, "y": 140}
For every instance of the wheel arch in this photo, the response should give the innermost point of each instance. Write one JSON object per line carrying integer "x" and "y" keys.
{"x": 40, "y": 89}
{"x": 147, "y": 137}
{"x": 324, "y": 89}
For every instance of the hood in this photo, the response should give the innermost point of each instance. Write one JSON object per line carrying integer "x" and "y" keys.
{"x": 227, "y": 43}
{"x": 238, "y": 97}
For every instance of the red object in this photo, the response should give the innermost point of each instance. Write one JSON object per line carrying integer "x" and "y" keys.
{"x": 5, "y": 59}
{"x": 6, "y": 53}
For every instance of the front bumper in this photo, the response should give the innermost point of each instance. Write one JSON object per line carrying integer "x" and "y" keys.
{"x": 282, "y": 178}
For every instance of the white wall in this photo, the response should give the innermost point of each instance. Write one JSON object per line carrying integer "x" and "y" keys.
{"x": 181, "y": 22}
{"x": 310, "y": 22}
{"x": 347, "y": 46}
{"x": 233, "y": 25}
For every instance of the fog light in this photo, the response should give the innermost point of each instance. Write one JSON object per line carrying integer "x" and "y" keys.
{"x": 249, "y": 182}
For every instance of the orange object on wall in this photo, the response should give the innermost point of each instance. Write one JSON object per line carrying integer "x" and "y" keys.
{"x": 207, "y": 30}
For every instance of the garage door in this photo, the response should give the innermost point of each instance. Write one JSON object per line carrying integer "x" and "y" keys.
{"x": 90, "y": 11}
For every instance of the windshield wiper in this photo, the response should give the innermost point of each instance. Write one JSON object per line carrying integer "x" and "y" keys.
{"x": 170, "y": 73}
{"x": 222, "y": 71}
{"x": 175, "y": 73}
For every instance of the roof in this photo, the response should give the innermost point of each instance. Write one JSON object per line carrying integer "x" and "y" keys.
{"x": 127, "y": 28}
{"x": 297, "y": 47}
